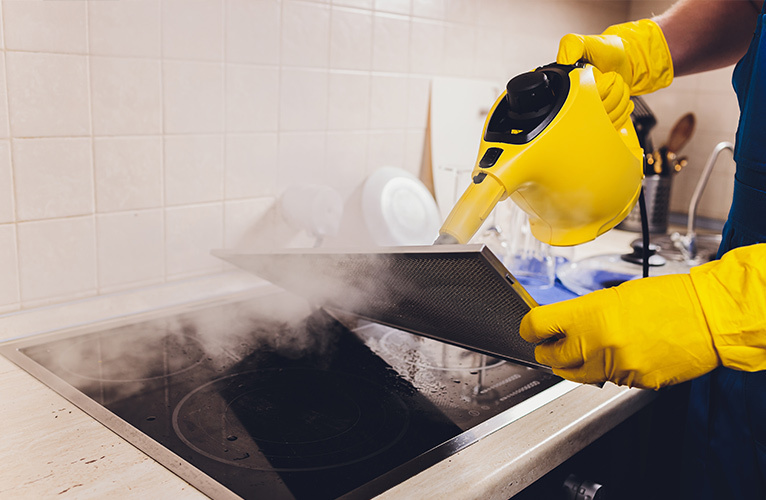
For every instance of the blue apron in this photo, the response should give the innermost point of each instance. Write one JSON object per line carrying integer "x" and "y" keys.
{"x": 726, "y": 426}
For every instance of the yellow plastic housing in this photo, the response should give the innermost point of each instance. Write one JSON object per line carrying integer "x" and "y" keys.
{"x": 577, "y": 179}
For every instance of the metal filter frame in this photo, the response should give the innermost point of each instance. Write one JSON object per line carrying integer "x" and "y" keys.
{"x": 459, "y": 294}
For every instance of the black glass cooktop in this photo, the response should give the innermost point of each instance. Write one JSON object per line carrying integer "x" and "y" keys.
{"x": 274, "y": 401}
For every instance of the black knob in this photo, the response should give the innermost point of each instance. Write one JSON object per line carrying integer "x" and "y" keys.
{"x": 637, "y": 257}
{"x": 530, "y": 95}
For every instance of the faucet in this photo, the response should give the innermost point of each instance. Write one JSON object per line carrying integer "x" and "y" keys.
{"x": 687, "y": 244}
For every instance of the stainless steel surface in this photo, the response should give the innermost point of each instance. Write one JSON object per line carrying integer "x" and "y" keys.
{"x": 657, "y": 192}
{"x": 677, "y": 247}
{"x": 702, "y": 182}
{"x": 459, "y": 294}
{"x": 691, "y": 248}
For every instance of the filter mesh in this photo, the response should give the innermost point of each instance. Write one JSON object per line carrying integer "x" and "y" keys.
{"x": 464, "y": 297}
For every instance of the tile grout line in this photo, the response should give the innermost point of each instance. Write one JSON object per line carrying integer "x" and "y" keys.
{"x": 328, "y": 83}
{"x": 371, "y": 82}
{"x": 225, "y": 124}
{"x": 164, "y": 277}
{"x": 94, "y": 175}
{"x": 280, "y": 79}
{"x": 14, "y": 194}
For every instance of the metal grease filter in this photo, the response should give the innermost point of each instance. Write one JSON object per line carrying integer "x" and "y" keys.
{"x": 460, "y": 294}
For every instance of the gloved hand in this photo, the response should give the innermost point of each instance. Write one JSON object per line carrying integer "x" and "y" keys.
{"x": 615, "y": 96}
{"x": 637, "y": 51}
{"x": 659, "y": 331}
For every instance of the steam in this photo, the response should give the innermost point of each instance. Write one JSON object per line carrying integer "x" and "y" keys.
{"x": 354, "y": 282}
{"x": 280, "y": 323}
{"x": 131, "y": 358}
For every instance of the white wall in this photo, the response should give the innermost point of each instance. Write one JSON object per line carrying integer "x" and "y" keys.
{"x": 136, "y": 135}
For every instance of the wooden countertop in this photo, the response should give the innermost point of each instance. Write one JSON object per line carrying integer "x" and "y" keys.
{"x": 52, "y": 449}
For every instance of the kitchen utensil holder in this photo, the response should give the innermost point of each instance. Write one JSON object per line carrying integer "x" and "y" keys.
{"x": 657, "y": 194}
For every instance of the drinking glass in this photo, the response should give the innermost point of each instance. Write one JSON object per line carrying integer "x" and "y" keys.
{"x": 529, "y": 260}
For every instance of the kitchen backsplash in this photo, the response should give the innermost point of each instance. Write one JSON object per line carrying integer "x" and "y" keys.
{"x": 136, "y": 135}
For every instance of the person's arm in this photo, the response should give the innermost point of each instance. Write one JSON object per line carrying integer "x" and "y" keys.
{"x": 692, "y": 36}
{"x": 704, "y": 34}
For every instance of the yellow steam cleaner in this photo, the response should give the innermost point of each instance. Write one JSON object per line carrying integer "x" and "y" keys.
{"x": 549, "y": 144}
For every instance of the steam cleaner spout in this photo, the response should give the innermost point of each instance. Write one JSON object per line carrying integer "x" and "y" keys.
{"x": 446, "y": 239}
{"x": 473, "y": 208}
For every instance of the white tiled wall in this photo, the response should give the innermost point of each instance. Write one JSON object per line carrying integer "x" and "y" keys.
{"x": 136, "y": 135}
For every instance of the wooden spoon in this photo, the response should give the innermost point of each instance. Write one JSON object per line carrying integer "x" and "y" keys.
{"x": 681, "y": 132}
{"x": 665, "y": 158}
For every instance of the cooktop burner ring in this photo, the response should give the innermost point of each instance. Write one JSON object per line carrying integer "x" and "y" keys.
{"x": 423, "y": 352}
{"x": 125, "y": 368}
{"x": 334, "y": 419}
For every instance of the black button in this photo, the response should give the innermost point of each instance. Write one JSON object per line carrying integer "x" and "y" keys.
{"x": 490, "y": 157}
{"x": 479, "y": 177}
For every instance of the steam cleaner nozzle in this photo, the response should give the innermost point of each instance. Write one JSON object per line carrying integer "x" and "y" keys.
{"x": 446, "y": 239}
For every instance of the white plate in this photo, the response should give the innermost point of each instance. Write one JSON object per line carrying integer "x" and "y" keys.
{"x": 398, "y": 209}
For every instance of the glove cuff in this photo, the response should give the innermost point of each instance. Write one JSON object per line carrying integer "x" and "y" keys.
{"x": 648, "y": 55}
{"x": 732, "y": 293}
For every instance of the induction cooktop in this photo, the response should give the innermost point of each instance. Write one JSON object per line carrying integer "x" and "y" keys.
{"x": 266, "y": 397}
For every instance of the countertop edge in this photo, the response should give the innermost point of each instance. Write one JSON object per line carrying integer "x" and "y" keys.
{"x": 514, "y": 457}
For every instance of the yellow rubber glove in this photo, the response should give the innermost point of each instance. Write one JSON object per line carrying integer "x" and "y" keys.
{"x": 637, "y": 51}
{"x": 615, "y": 96}
{"x": 659, "y": 331}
